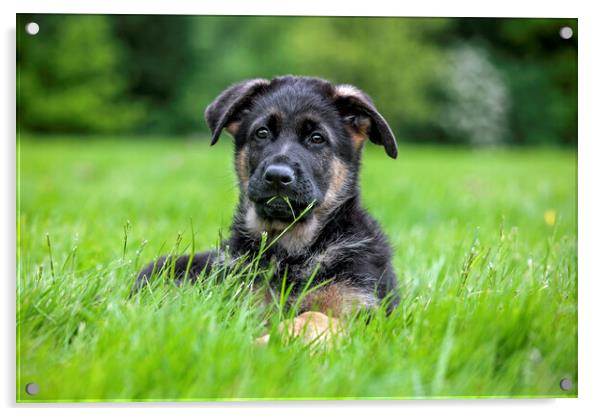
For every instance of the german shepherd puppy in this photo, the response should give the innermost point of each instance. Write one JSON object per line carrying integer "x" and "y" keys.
{"x": 298, "y": 146}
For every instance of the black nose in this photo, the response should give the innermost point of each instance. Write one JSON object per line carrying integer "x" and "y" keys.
{"x": 279, "y": 175}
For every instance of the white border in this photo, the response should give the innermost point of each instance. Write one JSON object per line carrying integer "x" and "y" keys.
{"x": 590, "y": 206}
{"x": 308, "y": 7}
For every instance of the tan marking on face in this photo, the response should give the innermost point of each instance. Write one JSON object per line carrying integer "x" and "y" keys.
{"x": 242, "y": 167}
{"x": 233, "y": 127}
{"x": 336, "y": 188}
{"x": 339, "y": 177}
{"x": 358, "y": 140}
{"x": 339, "y": 299}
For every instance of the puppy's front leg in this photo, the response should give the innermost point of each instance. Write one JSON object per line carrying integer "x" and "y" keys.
{"x": 314, "y": 328}
{"x": 317, "y": 325}
{"x": 182, "y": 267}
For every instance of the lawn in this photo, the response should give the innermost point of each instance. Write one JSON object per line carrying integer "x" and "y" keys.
{"x": 485, "y": 245}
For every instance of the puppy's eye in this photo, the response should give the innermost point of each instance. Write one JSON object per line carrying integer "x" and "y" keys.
{"x": 316, "y": 138}
{"x": 262, "y": 133}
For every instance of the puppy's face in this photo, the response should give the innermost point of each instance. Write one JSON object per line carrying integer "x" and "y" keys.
{"x": 298, "y": 143}
{"x": 292, "y": 146}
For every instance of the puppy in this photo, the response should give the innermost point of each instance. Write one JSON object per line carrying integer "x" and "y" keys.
{"x": 298, "y": 146}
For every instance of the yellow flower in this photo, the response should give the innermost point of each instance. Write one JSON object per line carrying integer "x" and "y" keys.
{"x": 550, "y": 217}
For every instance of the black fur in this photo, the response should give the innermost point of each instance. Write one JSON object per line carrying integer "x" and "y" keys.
{"x": 300, "y": 138}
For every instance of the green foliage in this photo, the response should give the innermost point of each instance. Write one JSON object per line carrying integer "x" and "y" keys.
{"x": 540, "y": 70}
{"x": 156, "y": 74}
{"x": 158, "y": 63}
{"x": 485, "y": 248}
{"x": 68, "y": 78}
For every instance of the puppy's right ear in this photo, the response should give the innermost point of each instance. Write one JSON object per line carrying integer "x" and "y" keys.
{"x": 224, "y": 111}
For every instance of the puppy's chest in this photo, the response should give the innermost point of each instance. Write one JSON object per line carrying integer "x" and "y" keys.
{"x": 296, "y": 268}
{"x": 328, "y": 263}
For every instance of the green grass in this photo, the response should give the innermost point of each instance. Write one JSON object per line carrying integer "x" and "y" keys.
{"x": 489, "y": 287}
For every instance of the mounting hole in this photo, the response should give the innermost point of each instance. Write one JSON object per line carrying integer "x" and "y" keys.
{"x": 566, "y": 384}
{"x": 566, "y": 32}
{"x": 32, "y": 28}
{"x": 32, "y": 389}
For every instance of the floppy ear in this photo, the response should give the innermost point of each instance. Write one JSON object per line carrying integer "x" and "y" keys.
{"x": 223, "y": 112}
{"x": 362, "y": 117}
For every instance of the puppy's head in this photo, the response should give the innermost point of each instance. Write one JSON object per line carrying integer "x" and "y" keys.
{"x": 298, "y": 142}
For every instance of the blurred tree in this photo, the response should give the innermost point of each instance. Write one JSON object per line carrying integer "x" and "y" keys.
{"x": 68, "y": 78}
{"x": 157, "y": 61}
{"x": 540, "y": 70}
{"x": 477, "y": 102}
{"x": 479, "y": 81}
{"x": 229, "y": 49}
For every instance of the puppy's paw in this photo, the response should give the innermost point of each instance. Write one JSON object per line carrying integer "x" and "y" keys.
{"x": 313, "y": 328}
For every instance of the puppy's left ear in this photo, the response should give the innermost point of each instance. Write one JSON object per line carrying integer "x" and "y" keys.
{"x": 361, "y": 116}
{"x": 225, "y": 110}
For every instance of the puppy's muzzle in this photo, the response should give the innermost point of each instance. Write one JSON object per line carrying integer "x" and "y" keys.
{"x": 281, "y": 192}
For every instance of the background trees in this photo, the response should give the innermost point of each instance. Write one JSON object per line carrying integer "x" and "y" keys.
{"x": 478, "y": 81}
